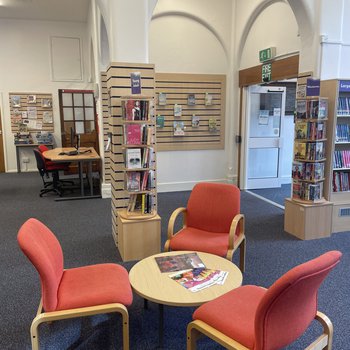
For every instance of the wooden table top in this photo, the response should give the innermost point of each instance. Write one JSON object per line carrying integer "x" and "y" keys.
{"x": 147, "y": 281}
{"x": 54, "y": 154}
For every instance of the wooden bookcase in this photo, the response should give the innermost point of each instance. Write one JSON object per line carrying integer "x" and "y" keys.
{"x": 337, "y": 188}
{"x": 139, "y": 157}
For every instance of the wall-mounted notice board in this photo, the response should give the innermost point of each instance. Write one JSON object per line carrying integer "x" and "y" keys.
{"x": 190, "y": 111}
{"x": 31, "y": 112}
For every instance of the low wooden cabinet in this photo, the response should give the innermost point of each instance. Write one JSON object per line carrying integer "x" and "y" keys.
{"x": 308, "y": 221}
{"x": 138, "y": 239}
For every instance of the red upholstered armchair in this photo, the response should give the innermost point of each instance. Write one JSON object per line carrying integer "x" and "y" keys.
{"x": 77, "y": 292}
{"x": 255, "y": 318}
{"x": 212, "y": 222}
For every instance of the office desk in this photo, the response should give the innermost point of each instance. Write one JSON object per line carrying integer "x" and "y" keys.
{"x": 23, "y": 145}
{"x": 54, "y": 156}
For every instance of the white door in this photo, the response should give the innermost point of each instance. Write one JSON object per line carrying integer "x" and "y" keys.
{"x": 265, "y": 115}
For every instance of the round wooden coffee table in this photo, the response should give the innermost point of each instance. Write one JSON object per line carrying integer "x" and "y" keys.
{"x": 148, "y": 282}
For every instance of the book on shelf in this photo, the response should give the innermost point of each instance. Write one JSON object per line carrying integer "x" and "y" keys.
{"x": 342, "y": 133}
{"x": 199, "y": 278}
{"x": 133, "y": 134}
{"x": 142, "y": 203}
{"x": 299, "y": 150}
{"x": 133, "y": 158}
{"x": 179, "y": 262}
{"x": 298, "y": 171}
{"x": 136, "y": 109}
{"x": 307, "y": 191}
{"x": 146, "y": 157}
{"x": 301, "y": 130}
{"x": 316, "y": 108}
{"x": 133, "y": 181}
{"x": 144, "y": 184}
{"x": 343, "y": 107}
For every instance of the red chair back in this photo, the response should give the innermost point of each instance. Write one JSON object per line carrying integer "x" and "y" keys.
{"x": 44, "y": 251}
{"x": 212, "y": 206}
{"x": 290, "y": 304}
{"x": 43, "y": 148}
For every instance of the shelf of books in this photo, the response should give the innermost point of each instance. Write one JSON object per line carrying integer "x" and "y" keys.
{"x": 138, "y": 123}
{"x": 338, "y": 166}
{"x": 308, "y": 169}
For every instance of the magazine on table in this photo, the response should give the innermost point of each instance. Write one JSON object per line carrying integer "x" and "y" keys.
{"x": 179, "y": 262}
{"x": 199, "y": 278}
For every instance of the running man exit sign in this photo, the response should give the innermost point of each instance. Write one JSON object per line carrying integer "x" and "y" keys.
{"x": 267, "y": 54}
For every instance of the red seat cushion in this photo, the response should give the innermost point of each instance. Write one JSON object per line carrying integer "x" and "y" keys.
{"x": 94, "y": 285}
{"x": 191, "y": 238}
{"x": 233, "y": 314}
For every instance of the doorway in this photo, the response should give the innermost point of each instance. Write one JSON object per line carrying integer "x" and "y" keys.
{"x": 264, "y": 130}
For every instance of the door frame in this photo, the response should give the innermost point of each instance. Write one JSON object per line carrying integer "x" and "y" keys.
{"x": 2, "y": 139}
{"x": 282, "y": 69}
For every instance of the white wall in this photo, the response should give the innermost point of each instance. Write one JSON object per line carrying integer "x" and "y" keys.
{"x": 25, "y": 67}
{"x": 275, "y": 26}
{"x": 191, "y": 37}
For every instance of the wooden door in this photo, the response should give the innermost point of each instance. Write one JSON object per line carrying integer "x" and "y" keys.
{"x": 78, "y": 117}
{"x": 2, "y": 157}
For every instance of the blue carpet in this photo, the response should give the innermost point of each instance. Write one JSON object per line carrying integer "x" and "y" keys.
{"x": 84, "y": 230}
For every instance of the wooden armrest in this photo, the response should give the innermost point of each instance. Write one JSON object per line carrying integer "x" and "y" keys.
{"x": 237, "y": 220}
{"x": 173, "y": 218}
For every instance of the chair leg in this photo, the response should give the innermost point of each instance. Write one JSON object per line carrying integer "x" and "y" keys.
{"x": 192, "y": 336}
{"x": 48, "y": 317}
{"x": 242, "y": 251}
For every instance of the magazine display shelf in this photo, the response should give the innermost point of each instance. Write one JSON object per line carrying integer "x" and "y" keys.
{"x": 138, "y": 124}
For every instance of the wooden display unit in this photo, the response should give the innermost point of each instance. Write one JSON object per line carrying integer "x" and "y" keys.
{"x": 309, "y": 149}
{"x": 308, "y": 215}
{"x": 337, "y": 189}
{"x": 139, "y": 157}
{"x": 138, "y": 239}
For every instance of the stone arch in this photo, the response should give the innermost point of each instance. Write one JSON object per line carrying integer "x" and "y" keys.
{"x": 199, "y": 20}
{"x": 300, "y": 12}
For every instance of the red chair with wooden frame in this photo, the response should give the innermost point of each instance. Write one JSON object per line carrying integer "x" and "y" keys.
{"x": 76, "y": 292}
{"x": 212, "y": 222}
{"x": 255, "y": 318}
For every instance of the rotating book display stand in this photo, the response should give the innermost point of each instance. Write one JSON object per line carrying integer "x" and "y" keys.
{"x": 307, "y": 212}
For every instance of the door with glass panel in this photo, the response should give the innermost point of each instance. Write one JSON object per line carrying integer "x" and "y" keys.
{"x": 265, "y": 108}
{"x": 78, "y": 117}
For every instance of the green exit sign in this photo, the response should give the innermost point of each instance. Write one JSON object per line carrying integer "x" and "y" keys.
{"x": 267, "y": 54}
{"x": 266, "y": 72}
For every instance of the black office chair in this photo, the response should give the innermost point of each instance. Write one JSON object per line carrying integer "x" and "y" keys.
{"x": 46, "y": 169}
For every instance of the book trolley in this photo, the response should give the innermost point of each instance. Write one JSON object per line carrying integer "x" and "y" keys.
{"x": 307, "y": 212}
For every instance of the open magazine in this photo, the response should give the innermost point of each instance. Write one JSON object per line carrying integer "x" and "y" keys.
{"x": 179, "y": 262}
{"x": 199, "y": 278}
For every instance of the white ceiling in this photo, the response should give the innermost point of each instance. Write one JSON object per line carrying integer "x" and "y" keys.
{"x": 50, "y": 10}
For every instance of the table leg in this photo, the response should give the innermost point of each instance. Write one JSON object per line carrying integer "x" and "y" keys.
{"x": 90, "y": 178}
{"x": 18, "y": 161}
{"x": 161, "y": 326}
{"x": 81, "y": 178}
